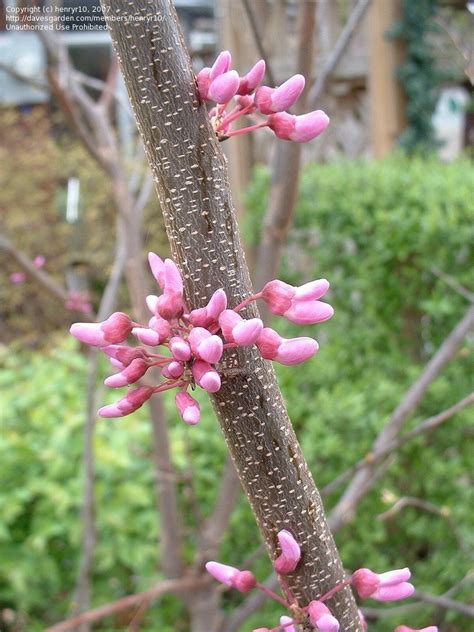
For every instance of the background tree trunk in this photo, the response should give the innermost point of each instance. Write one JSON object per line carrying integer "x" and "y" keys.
{"x": 190, "y": 174}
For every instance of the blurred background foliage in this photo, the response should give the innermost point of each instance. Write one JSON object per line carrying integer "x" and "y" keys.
{"x": 379, "y": 231}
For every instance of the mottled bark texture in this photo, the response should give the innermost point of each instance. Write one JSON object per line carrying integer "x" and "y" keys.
{"x": 190, "y": 174}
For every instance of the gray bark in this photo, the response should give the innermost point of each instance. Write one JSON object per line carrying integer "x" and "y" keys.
{"x": 190, "y": 175}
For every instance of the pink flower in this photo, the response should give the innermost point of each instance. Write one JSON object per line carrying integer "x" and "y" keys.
{"x": 170, "y": 304}
{"x": 298, "y": 304}
{"x": 205, "y": 346}
{"x": 17, "y": 277}
{"x": 389, "y": 586}
{"x": 321, "y": 617}
{"x": 405, "y": 628}
{"x": 180, "y": 349}
{"x": 131, "y": 374}
{"x": 161, "y": 326}
{"x": 124, "y": 354}
{"x": 236, "y": 329}
{"x": 300, "y": 128}
{"x": 286, "y": 351}
{"x": 205, "y": 376}
{"x": 157, "y": 266}
{"x": 290, "y": 553}
{"x": 188, "y": 408}
{"x": 112, "y": 331}
{"x": 132, "y": 401}
{"x": 39, "y": 261}
{"x": 146, "y": 335}
{"x": 287, "y": 624}
{"x": 252, "y": 79}
{"x": 207, "y": 75}
{"x": 206, "y": 316}
{"x": 221, "y": 65}
{"x": 243, "y": 581}
{"x": 173, "y": 370}
{"x": 224, "y": 87}
{"x": 270, "y": 100}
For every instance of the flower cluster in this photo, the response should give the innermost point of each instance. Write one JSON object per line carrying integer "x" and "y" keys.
{"x": 389, "y": 586}
{"x": 220, "y": 84}
{"x": 193, "y": 341}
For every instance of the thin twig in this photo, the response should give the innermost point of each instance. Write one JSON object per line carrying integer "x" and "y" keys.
{"x": 258, "y": 38}
{"x": 431, "y": 423}
{"x": 453, "y": 283}
{"x": 337, "y": 52}
{"x": 366, "y": 477}
{"x": 131, "y": 601}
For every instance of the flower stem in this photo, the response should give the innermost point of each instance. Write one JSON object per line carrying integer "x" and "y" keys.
{"x": 247, "y": 301}
{"x": 272, "y": 595}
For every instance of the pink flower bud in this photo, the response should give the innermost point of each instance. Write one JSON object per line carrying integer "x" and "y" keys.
{"x": 312, "y": 290}
{"x": 405, "y": 628}
{"x": 321, "y": 617}
{"x": 247, "y": 332}
{"x": 172, "y": 277}
{"x": 268, "y": 343}
{"x": 221, "y": 65}
{"x": 270, "y": 100}
{"x": 180, "y": 349}
{"x": 309, "y": 312}
{"x": 157, "y": 268}
{"x": 117, "y": 364}
{"x": 188, "y": 408}
{"x": 300, "y": 128}
{"x": 173, "y": 370}
{"x": 117, "y": 327}
{"x": 17, "y": 277}
{"x": 252, "y": 79}
{"x": 133, "y": 400}
{"x": 224, "y": 87}
{"x": 206, "y": 316}
{"x": 39, "y": 261}
{"x": 152, "y": 303}
{"x": 217, "y": 304}
{"x": 296, "y": 350}
{"x": 390, "y": 586}
{"x": 287, "y": 624}
{"x": 89, "y": 333}
{"x": 131, "y": 374}
{"x": 244, "y": 581}
{"x": 124, "y": 354}
{"x": 290, "y": 553}
{"x": 203, "y": 81}
{"x": 205, "y": 376}
{"x": 170, "y": 305}
{"x": 146, "y": 336}
{"x": 211, "y": 349}
{"x": 161, "y": 326}
{"x": 278, "y": 295}
{"x": 245, "y": 101}
{"x": 228, "y": 319}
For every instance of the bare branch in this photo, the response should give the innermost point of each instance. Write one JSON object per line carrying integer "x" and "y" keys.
{"x": 365, "y": 478}
{"x": 33, "y": 81}
{"x": 355, "y": 18}
{"x": 371, "y": 458}
{"x": 44, "y": 279}
{"x": 258, "y": 38}
{"x": 131, "y": 601}
{"x": 453, "y": 283}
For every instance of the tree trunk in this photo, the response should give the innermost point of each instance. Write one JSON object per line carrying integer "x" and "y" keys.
{"x": 190, "y": 174}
